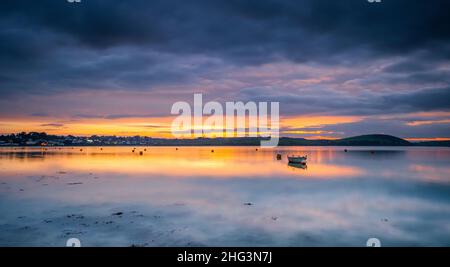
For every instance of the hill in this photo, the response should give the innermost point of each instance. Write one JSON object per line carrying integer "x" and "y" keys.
{"x": 372, "y": 140}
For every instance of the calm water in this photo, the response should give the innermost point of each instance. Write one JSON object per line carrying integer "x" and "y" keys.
{"x": 232, "y": 197}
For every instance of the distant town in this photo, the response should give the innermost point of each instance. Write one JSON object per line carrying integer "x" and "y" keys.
{"x": 44, "y": 139}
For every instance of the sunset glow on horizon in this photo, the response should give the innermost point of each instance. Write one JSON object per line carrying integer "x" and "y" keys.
{"x": 311, "y": 126}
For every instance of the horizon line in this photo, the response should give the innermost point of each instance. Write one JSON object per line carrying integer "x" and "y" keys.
{"x": 410, "y": 139}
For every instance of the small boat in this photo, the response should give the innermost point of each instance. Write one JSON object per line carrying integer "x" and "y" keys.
{"x": 297, "y": 159}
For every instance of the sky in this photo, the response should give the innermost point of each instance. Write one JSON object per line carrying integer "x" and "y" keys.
{"x": 338, "y": 68}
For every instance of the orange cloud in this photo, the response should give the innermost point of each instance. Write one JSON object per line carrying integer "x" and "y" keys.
{"x": 154, "y": 126}
{"x": 427, "y": 122}
{"x": 313, "y": 121}
{"x": 157, "y": 127}
{"x": 428, "y": 139}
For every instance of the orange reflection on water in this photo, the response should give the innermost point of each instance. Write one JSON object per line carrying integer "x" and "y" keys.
{"x": 218, "y": 162}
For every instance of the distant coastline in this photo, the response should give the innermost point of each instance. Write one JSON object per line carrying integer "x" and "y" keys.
{"x": 43, "y": 139}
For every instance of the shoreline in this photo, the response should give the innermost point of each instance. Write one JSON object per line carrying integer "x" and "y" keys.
{"x": 334, "y": 145}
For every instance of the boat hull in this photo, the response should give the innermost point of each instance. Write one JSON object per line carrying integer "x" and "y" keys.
{"x": 297, "y": 160}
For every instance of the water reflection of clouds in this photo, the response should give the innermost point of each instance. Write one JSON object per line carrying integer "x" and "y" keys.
{"x": 206, "y": 207}
{"x": 439, "y": 174}
{"x": 187, "y": 162}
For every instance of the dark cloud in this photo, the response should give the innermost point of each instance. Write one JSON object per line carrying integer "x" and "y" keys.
{"x": 366, "y": 103}
{"x": 408, "y": 67}
{"x": 277, "y": 27}
{"x": 118, "y": 116}
{"x": 423, "y": 100}
{"x": 54, "y": 43}
{"x": 39, "y": 114}
{"x": 124, "y": 116}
